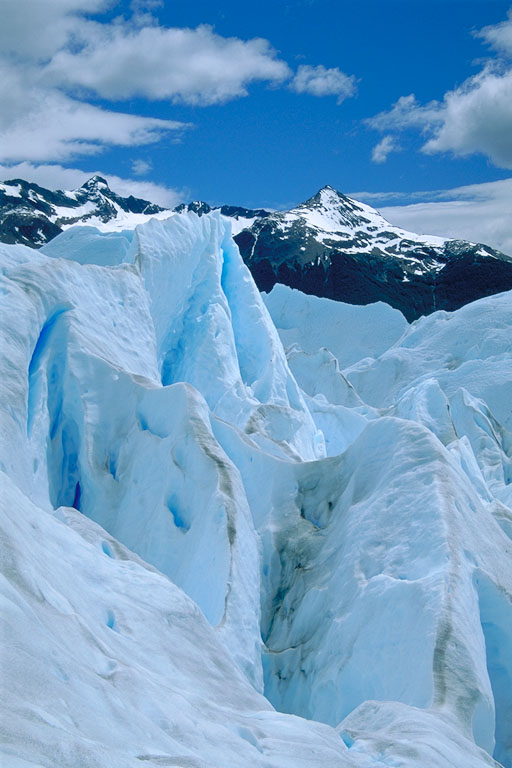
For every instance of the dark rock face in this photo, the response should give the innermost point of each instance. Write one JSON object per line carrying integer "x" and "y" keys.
{"x": 470, "y": 274}
{"x": 346, "y": 277}
{"x": 231, "y": 211}
{"x": 329, "y": 246}
{"x": 26, "y": 227}
{"x": 196, "y": 206}
{"x": 236, "y": 212}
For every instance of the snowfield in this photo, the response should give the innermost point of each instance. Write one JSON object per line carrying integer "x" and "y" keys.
{"x": 243, "y": 530}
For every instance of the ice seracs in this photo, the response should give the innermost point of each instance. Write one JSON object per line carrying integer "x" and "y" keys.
{"x": 349, "y": 331}
{"x": 208, "y": 496}
{"x": 106, "y": 662}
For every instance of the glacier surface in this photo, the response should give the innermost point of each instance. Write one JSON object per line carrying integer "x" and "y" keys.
{"x": 246, "y": 531}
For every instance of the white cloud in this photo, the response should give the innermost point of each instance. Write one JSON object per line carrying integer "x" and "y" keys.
{"x": 53, "y": 126}
{"x": 53, "y": 176}
{"x": 499, "y": 36}
{"x": 477, "y": 212}
{"x": 320, "y": 81}
{"x": 475, "y": 118}
{"x": 385, "y": 146}
{"x": 191, "y": 66}
{"x": 57, "y": 55}
{"x": 407, "y": 112}
{"x": 39, "y": 121}
{"x": 147, "y": 190}
{"x": 141, "y": 167}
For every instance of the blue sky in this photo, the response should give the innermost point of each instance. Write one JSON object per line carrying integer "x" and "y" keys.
{"x": 276, "y": 146}
{"x": 265, "y": 105}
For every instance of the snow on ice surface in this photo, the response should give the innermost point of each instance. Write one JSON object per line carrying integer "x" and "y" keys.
{"x": 123, "y": 670}
{"x": 470, "y": 348}
{"x": 82, "y": 244}
{"x": 148, "y": 407}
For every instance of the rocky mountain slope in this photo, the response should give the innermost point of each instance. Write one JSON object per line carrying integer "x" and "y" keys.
{"x": 330, "y": 246}
{"x": 246, "y": 531}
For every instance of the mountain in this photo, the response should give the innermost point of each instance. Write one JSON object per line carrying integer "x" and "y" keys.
{"x": 32, "y": 215}
{"x": 330, "y": 246}
{"x": 243, "y": 530}
{"x": 335, "y": 247}
{"x": 246, "y": 216}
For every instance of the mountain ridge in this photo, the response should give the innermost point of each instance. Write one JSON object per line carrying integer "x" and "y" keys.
{"x": 329, "y": 246}
{"x": 335, "y": 247}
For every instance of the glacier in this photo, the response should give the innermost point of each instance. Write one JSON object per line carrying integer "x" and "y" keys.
{"x": 243, "y": 529}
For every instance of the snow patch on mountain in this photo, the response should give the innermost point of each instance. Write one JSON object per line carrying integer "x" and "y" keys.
{"x": 329, "y": 246}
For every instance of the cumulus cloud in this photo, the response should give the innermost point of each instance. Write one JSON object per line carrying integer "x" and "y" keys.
{"x": 475, "y": 118}
{"x": 384, "y": 148}
{"x": 320, "y": 81}
{"x": 477, "y": 212}
{"x": 191, "y": 66}
{"x": 407, "y": 112}
{"x": 55, "y": 176}
{"x": 59, "y": 58}
{"x": 40, "y": 121}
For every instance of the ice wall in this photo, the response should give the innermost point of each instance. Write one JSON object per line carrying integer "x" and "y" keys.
{"x": 146, "y": 396}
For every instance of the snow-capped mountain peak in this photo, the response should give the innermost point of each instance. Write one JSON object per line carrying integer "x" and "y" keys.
{"x": 326, "y": 196}
{"x": 95, "y": 183}
{"x": 32, "y": 215}
{"x": 332, "y": 211}
{"x": 333, "y": 216}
